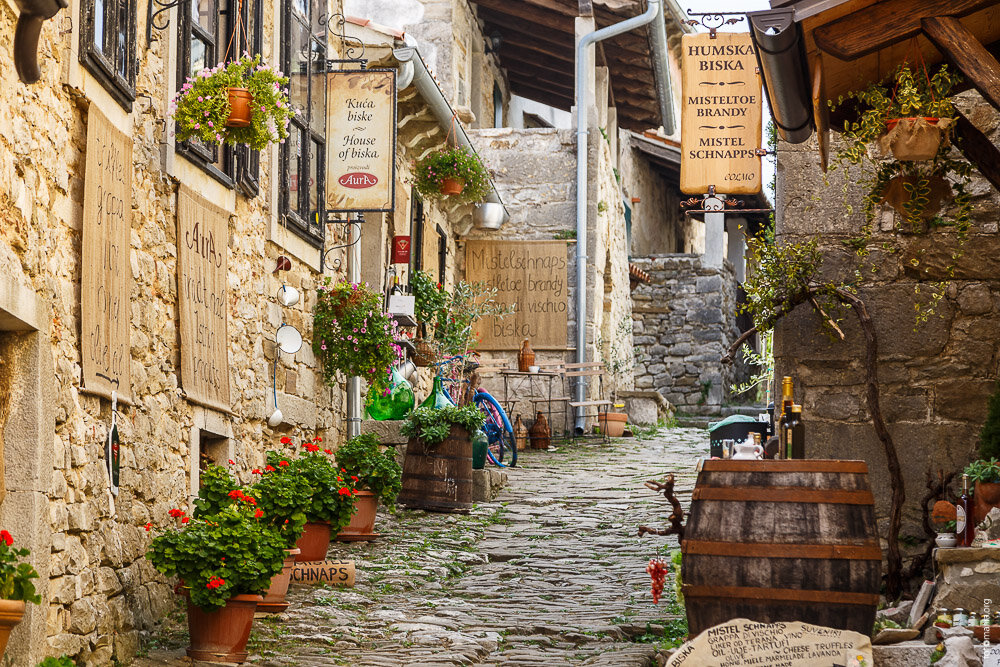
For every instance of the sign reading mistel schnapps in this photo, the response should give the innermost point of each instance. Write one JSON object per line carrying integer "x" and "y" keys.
{"x": 720, "y": 114}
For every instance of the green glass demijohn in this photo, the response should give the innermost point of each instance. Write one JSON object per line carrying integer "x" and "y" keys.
{"x": 439, "y": 397}
{"x": 394, "y": 404}
{"x": 479, "y": 445}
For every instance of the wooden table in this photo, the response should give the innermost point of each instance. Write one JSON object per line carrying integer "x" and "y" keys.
{"x": 513, "y": 381}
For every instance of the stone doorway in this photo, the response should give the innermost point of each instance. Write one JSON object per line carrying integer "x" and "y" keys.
{"x": 27, "y": 433}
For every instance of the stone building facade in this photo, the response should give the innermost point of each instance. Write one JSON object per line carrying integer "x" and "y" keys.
{"x": 935, "y": 377}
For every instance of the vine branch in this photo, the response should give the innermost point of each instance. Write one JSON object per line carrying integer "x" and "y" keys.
{"x": 676, "y": 517}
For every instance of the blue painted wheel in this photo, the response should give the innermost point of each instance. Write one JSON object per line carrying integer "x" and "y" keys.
{"x": 502, "y": 449}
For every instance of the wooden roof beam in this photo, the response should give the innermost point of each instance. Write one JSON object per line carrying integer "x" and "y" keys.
{"x": 960, "y": 46}
{"x": 545, "y": 12}
{"x": 530, "y": 28}
{"x": 559, "y": 87}
{"x": 886, "y": 23}
{"x": 514, "y": 48}
{"x": 978, "y": 149}
{"x": 543, "y": 95}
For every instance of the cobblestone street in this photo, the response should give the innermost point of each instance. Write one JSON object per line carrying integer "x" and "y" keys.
{"x": 550, "y": 573}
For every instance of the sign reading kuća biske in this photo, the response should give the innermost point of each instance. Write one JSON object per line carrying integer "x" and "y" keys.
{"x": 744, "y": 643}
{"x": 720, "y": 114}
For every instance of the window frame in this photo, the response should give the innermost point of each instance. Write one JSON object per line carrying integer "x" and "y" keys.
{"x": 313, "y": 231}
{"x": 121, "y": 88}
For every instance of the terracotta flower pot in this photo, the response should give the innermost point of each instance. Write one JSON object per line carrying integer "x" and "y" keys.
{"x": 274, "y": 600}
{"x": 240, "y": 100}
{"x": 221, "y": 635}
{"x": 314, "y": 542}
{"x": 452, "y": 186}
{"x": 613, "y": 423}
{"x": 362, "y": 525}
{"x": 986, "y": 497}
{"x": 11, "y": 612}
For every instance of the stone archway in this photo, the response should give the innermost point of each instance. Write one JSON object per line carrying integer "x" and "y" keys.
{"x": 27, "y": 431}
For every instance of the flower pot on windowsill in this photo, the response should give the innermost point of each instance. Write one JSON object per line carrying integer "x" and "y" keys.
{"x": 11, "y": 613}
{"x": 314, "y": 542}
{"x": 274, "y": 600}
{"x": 240, "y": 100}
{"x": 613, "y": 423}
{"x": 452, "y": 186}
{"x": 221, "y": 635}
{"x": 362, "y": 525}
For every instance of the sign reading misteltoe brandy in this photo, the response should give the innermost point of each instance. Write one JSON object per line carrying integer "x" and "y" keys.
{"x": 721, "y": 114}
{"x": 361, "y": 150}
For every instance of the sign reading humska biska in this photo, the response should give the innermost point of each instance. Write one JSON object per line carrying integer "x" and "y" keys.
{"x": 361, "y": 148}
{"x": 720, "y": 114}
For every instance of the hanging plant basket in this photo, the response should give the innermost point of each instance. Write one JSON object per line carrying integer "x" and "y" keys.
{"x": 916, "y": 196}
{"x": 452, "y": 186}
{"x": 244, "y": 102}
{"x": 240, "y": 114}
{"x": 916, "y": 138}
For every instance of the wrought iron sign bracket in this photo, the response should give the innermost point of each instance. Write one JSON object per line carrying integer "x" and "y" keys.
{"x": 714, "y": 20}
{"x": 353, "y": 227}
{"x": 153, "y": 16}
{"x": 354, "y": 48}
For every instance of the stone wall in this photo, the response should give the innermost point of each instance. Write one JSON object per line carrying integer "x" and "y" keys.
{"x": 934, "y": 377}
{"x": 99, "y": 592}
{"x": 683, "y": 322}
{"x": 658, "y": 223}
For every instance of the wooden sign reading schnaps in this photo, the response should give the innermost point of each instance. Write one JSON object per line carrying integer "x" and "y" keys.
{"x": 337, "y": 572}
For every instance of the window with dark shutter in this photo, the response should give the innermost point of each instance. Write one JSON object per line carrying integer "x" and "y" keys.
{"x": 107, "y": 46}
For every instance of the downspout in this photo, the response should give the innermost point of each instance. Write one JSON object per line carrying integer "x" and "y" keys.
{"x": 661, "y": 69}
{"x": 442, "y": 111}
{"x": 582, "y": 101}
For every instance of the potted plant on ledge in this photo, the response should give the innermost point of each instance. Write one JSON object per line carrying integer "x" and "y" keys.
{"x": 224, "y": 561}
{"x": 379, "y": 478}
{"x": 452, "y": 172}
{"x": 240, "y": 102}
{"x": 16, "y": 586}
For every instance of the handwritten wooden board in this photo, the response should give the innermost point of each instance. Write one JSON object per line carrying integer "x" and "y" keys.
{"x": 337, "y": 572}
{"x": 202, "y": 295}
{"x": 106, "y": 280}
{"x": 720, "y": 114}
{"x": 531, "y": 276}
{"x": 743, "y": 643}
{"x": 362, "y": 144}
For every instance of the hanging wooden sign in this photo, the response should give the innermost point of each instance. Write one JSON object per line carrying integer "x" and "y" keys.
{"x": 202, "y": 295}
{"x": 361, "y": 147}
{"x": 720, "y": 114}
{"x": 529, "y": 275}
{"x": 106, "y": 275}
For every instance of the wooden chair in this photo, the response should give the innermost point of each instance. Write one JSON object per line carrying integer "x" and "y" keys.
{"x": 588, "y": 370}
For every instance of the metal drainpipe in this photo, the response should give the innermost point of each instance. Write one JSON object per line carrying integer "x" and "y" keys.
{"x": 354, "y": 383}
{"x": 582, "y": 66}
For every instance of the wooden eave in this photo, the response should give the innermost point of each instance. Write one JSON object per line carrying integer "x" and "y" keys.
{"x": 538, "y": 52}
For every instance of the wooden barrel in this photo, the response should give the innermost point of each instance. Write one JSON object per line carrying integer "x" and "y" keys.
{"x": 438, "y": 478}
{"x": 782, "y": 541}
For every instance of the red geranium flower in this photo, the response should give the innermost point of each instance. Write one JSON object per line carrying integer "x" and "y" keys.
{"x": 185, "y": 519}
{"x": 256, "y": 471}
{"x": 285, "y": 440}
{"x": 232, "y": 462}
{"x": 149, "y": 527}
{"x": 317, "y": 439}
{"x": 283, "y": 464}
{"x": 354, "y": 477}
{"x": 258, "y": 514}
{"x": 215, "y": 582}
{"x": 236, "y": 493}
{"x": 327, "y": 451}
{"x": 176, "y": 513}
{"x": 270, "y": 468}
{"x": 344, "y": 491}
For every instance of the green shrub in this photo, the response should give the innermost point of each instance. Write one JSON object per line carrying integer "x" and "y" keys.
{"x": 431, "y": 426}
{"x": 452, "y": 162}
{"x": 371, "y": 467}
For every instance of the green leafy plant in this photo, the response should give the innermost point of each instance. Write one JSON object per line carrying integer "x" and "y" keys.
{"x": 202, "y": 108}
{"x": 353, "y": 335}
{"x": 61, "y": 661}
{"x": 989, "y": 435}
{"x": 452, "y": 162}
{"x": 234, "y": 552}
{"x": 564, "y": 234}
{"x": 332, "y": 499}
{"x": 432, "y": 426}
{"x": 214, "y": 495}
{"x": 983, "y": 471}
{"x": 284, "y": 497}
{"x": 370, "y": 467}
{"x": 15, "y": 577}
{"x": 430, "y": 300}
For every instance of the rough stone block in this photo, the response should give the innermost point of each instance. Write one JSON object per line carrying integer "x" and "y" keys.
{"x": 387, "y": 432}
{"x": 487, "y": 484}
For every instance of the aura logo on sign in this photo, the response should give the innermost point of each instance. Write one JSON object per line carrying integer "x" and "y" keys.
{"x": 358, "y": 180}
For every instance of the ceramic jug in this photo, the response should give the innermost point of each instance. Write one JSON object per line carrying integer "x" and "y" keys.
{"x": 747, "y": 451}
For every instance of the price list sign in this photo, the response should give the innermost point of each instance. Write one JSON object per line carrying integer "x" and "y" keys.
{"x": 720, "y": 114}
{"x": 106, "y": 275}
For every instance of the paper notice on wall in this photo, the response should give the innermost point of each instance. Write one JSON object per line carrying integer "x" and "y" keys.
{"x": 532, "y": 277}
{"x": 203, "y": 296}
{"x": 106, "y": 275}
{"x": 744, "y": 643}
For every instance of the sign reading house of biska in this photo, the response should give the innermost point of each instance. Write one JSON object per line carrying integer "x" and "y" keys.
{"x": 106, "y": 279}
{"x": 529, "y": 275}
{"x": 361, "y": 148}
{"x": 202, "y": 288}
{"x": 720, "y": 114}
{"x": 743, "y": 643}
